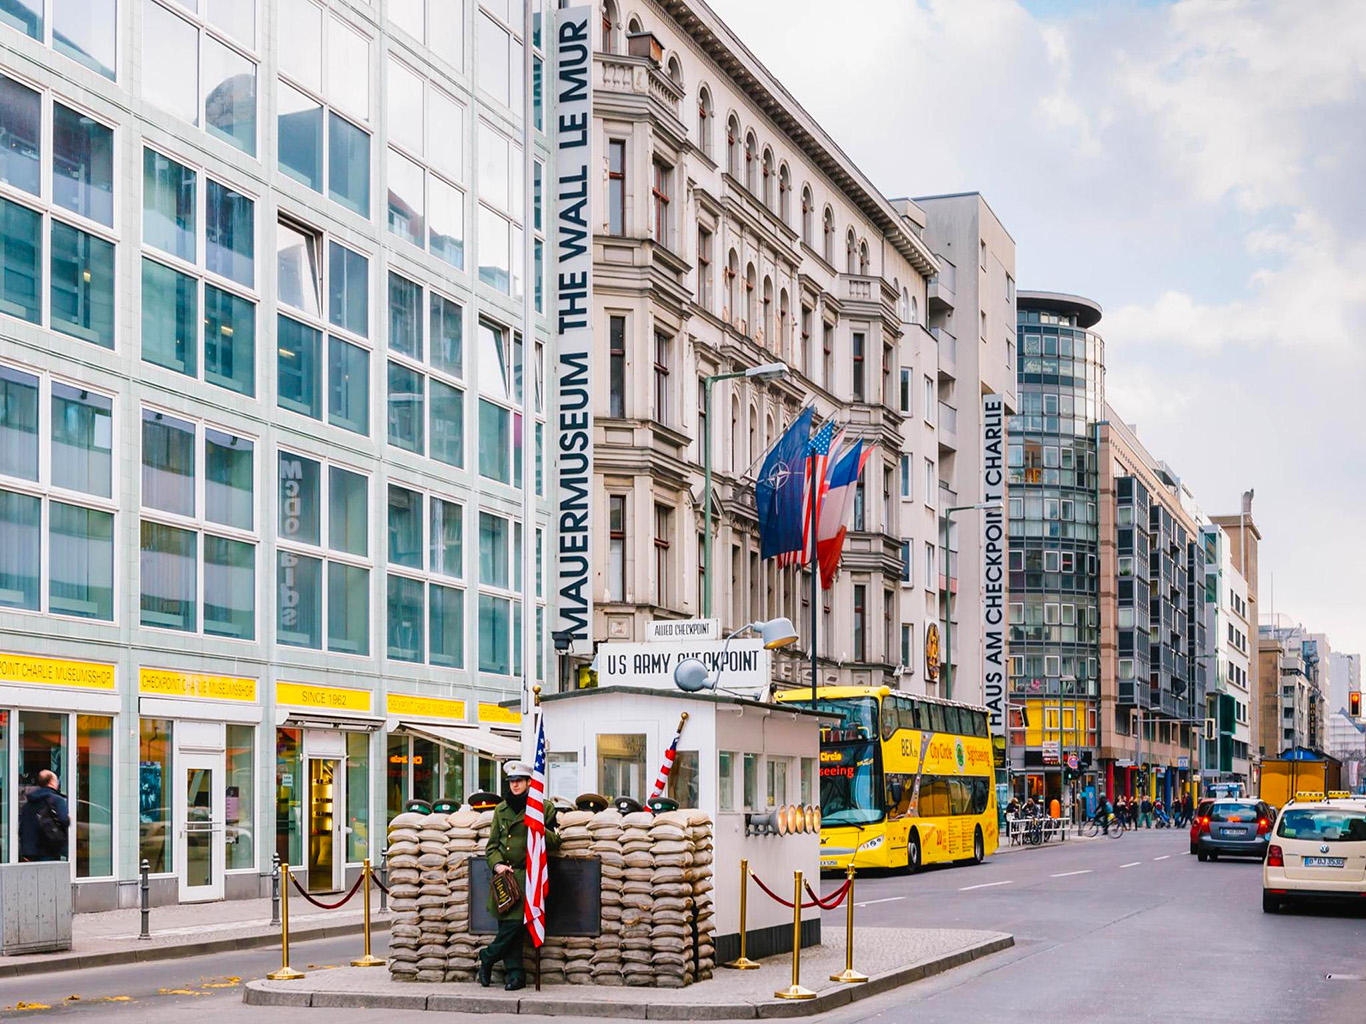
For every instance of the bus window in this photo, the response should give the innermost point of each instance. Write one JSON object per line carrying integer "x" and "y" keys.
{"x": 900, "y": 788}
{"x": 935, "y": 800}
{"x": 889, "y": 717}
{"x": 979, "y": 723}
{"x": 979, "y": 795}
{"x": 922, "y": 715}
{"x": 937, "y": 718}
{"x": 906, "y": 712}
{"x": 960, "y": 796}
{"x": 952, "y": 722}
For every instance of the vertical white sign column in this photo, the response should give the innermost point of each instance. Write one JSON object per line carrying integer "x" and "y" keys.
{"x": 995, "y": 665}
{"x": 573, "y": 255}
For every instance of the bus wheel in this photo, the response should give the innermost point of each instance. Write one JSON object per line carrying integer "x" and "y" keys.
{"x": 913, "y": 854}
{"x": 979, "y": 850}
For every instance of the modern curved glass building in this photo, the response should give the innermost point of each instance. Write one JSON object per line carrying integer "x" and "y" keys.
{"x": 1054, "y": 553}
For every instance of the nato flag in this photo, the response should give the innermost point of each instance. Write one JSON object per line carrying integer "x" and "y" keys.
{"x": 779, "y": 489}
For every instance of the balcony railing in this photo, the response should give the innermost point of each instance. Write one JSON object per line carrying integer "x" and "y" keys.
{"x": 948, "y": 351}
{"x": 948, "y": 424}
{"x": 941, "y": 286}
{"x": 639, "y": 75}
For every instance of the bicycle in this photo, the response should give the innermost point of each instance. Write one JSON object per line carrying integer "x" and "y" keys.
{"x": 1096, "y": 827}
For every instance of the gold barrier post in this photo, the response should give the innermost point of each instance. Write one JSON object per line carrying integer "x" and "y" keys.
{"x": 849, "y": 975}
{"x": 285, "y": 973}
{"x": 742, "y": 962}
{"x": 795, "y": 990}
{"x": 367, "y": 960}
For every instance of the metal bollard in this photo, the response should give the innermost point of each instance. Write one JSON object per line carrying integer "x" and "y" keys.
{"x": 384, "y": 880}
{"x": 146, "y": 891}
{"x": 742, "y": 962}
{"x": 367, "y": 960}
{"x": 285, "y": 973}
{"x": 849, "y": 975}
{"x": 274, "y": 889}
{"x": 795, "y": 990}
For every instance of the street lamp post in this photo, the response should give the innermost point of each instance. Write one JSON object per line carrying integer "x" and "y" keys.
{"x": 763, "y": 372}
{"x": 948, "y": 597}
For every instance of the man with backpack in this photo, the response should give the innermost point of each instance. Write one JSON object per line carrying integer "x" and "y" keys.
{"x": 44, "y": 821}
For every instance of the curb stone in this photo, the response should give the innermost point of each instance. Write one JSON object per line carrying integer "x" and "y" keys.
{"x": 255, "y": 993}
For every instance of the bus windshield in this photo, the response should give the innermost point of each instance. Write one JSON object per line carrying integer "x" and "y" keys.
{"x": 857, "y": 715}
{"x": 851, "y": 790}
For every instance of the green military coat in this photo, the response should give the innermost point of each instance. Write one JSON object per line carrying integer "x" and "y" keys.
{"x": 507, "y": 845}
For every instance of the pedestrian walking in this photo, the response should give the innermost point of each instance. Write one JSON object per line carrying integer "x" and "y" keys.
{"x": 44, "y": 821}
{"x": 1187, "y": 809}
{"x": 506, "y": 855}
{"x": 1145, "y": 809}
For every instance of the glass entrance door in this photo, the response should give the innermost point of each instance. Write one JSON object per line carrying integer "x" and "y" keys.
{"x": 201, "y": 828}
{"x": 326, "y": 802}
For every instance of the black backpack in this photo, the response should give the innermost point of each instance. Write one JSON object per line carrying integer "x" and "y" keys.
{"x": 51, "y": 831}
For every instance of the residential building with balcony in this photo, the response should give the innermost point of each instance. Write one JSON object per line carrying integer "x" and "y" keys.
{"x": 1294, "y": 688}
{"x": 731, "y": 231}
{"x": 1230, "y": 698}
{"x": 1243, "y": 549}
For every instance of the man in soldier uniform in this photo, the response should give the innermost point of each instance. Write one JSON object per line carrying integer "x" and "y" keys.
{"x": 506, "y": 852}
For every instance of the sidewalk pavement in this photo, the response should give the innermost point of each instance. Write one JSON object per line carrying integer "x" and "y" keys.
{"x": 891, "y": 957}
{"x": 191, "y": 929}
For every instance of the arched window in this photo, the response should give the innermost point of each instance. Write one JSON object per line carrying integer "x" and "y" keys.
{"x": 751, "y": 298}
{"x": 734, "y": 434}
{"x": 704, "y": 120}
{"x": 732, "y": 310}
{"x": 808, "y": 212}
{"x": 752, "y": 163}
{"x": 783, "y": 341}
{"x": 753, "y": 434}
{"x": 768, "y": 431}
{"x": 767, "y": 338}
{"x": 828, "y": 244}
{"x": 915, "y": 311}
{"x": 768, "y": 177}
{"x": 905, "y": 308}
{"x": 863, "y": 256}
{"x": 733, "y": 146}
{"x": 633, "y": 27}
{"x": 850, "y": 252}
{"x": 784, "y": 193}
{"x": 610, "y": 20}
{"x": 675, "y": 70}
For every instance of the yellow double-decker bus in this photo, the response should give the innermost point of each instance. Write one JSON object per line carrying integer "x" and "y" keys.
{"x": 905, "y": 780}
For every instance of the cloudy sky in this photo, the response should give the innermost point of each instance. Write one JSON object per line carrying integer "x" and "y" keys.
{"x": 1199, "y": 169}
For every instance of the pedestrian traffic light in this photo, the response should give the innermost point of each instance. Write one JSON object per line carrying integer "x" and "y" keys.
{"x": 1354, "y": 703}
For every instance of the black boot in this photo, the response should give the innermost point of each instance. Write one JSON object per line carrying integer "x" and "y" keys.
{"x": 515, "y": 981}
{"x": 485, "y": 974}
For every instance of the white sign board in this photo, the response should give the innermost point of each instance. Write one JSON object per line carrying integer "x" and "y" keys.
{"x": 1051, "y": 752}
{"x": 572, "y": 433}
{"x": 746, "y": 667}
{"x": 994, "y": 546}
{"x": 683, "y": 629}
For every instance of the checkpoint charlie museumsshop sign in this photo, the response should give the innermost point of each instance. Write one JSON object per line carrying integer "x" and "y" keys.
{"x": 746, "y": 667}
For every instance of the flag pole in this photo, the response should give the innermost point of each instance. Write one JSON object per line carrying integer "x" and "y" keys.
{"x": 815, "y": 583}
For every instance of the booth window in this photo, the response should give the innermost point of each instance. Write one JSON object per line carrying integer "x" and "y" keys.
{"x": 154, "y": 796}
{"x": 725, "y": 781}
{"x": 239, "y": 799}
{"x": 777, "y": 781}
{"x": 808, "y": 780}
{"x": 358, "y": 795}
{"x": 751, "y": 794}
{"x": 683, "y": 778}
{"x": 621, "y": 764}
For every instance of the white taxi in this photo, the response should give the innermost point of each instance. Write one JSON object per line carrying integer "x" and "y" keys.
{"x": 1317, "y": 852}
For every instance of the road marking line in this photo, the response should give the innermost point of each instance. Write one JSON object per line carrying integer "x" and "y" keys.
{"x": 1066, "y": 874}
{"x": 1163, "y": 857}
{"x": 889, "y": 899}
{"x": 1132, "y": 864}
{"x": 984, "y": 885}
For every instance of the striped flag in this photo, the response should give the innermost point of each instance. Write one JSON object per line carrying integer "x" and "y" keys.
{"x": 537, "y": 870}
{"x": 667, "y": 766}
{"x": 817, "y": 458}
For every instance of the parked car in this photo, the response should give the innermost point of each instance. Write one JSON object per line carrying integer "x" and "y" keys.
{"x": 1317, "y": 852}
{"x": 1234, "y": 828}
{"x": 1201, "y": 812}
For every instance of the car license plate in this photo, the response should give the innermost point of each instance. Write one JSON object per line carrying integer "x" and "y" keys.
{"x": 1324, "y": 862}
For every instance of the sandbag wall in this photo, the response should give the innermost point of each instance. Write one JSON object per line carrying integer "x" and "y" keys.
{"x": 657, "y": 914}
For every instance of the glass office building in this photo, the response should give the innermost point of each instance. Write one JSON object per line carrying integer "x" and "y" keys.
{"x": 272, "y": 374}
{"x": 1054, "y": 552}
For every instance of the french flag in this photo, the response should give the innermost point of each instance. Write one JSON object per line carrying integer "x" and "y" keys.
{"x": 836, "y": 508}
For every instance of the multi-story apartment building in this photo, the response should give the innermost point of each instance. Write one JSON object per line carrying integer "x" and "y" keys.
{"x": 1230, "y": 699}
{"x": 1153, "y": 642}
{"x": 1344, "y": 677}
{"x": 1244, "y": 544}
{"x": 1347, "y": 742}
{"x": 1054, "y": 591}
{"x": 264, "y": 536}
{"x": 1294, "y": 686}
{"x": 972, "y": 318}
{"x": 730, "y": 231}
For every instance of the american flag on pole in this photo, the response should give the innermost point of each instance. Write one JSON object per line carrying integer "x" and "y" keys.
{"x": 667, "y": 766}
{"x": 817, "y": 458}
{"x": 537, "y": 870}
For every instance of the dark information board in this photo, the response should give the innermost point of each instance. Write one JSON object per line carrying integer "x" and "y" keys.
{"x": 573, "y": 902}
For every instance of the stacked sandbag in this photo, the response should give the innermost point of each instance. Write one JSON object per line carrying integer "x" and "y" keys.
{"x": 699, "y": 878}
{"x": 605, "y": 965}
{"x": 433, "y": 893}
{"x": 462, "y": 843}
{"x": 637, "y": 898}
{"x": 671, "y": 951}
{"x": 405, "y": 877}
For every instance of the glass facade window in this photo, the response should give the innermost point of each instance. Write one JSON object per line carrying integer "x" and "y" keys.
{"x": 425, "y": 161}
{"x": 426, "y": 405}
{"x": 156, "y": 820}
{"x": 239, "y": 802}
{"x": 82, "y": 291}
{"x": 82, "y": 165}
{"x": 21, "y": 250}
{"x": 82, "y": 439}
{"x": 426, "y": 615}
{"x": 357, "y": 796}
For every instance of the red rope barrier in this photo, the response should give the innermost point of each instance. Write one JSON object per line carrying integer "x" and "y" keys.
{"x": 837, "y": 896}
{"x": 374, "y": 877}
{"x": 326, "y": 906}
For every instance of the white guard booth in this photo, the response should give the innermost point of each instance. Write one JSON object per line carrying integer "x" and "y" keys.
{"x": 737, "y": 759}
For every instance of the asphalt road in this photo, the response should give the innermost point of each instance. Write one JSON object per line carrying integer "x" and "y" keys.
{"x": 1122, "y": 930}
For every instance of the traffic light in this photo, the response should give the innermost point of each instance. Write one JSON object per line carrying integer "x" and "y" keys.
{"x": 1354, "y": 703}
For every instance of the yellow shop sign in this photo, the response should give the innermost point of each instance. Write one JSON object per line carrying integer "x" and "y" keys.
{"x": 160, "y": 682}
{"x": 29, "y": 671}
{"x": 498, "y": 715}
{"x": 407, "y": 705}
{"x": 326, "y": 698}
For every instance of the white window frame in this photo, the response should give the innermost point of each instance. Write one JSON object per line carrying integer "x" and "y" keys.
{"x": 426, "y": 368}
{"x": 428, "y": 577}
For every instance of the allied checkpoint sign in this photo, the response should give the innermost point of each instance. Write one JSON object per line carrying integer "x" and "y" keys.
{"x": 572, "y": 435}
{"x": 746, "y": 666}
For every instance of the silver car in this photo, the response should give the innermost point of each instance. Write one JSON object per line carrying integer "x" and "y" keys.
{"x": 1234, "y": 828}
